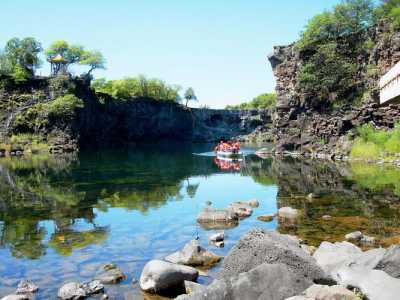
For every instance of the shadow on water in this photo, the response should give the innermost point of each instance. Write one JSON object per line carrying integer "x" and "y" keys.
{"x": 71, "y": 214}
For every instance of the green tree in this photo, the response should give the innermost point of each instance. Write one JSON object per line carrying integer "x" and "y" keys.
{"x": 70, "y": 54}
{"x": 189, "y": 96}
{"x": 390, "y": 9}
{"x": 263, "y": 101}
{"x": 93, "y": 59}
{"x": 20, "y": 58}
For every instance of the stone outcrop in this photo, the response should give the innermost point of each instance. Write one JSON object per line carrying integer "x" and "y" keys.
{"x": 301, "y": 123}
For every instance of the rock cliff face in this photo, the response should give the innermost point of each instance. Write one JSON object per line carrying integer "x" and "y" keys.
{"x": 301, "y": 123}
{"x": 104, "y": 121}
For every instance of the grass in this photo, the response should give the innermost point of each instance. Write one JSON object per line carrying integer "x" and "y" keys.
{"x": 372, "y": 143}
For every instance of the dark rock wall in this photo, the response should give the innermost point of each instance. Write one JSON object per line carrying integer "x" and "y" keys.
{"x": 300, "y": 124}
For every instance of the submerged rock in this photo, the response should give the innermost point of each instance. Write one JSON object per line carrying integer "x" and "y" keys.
{"x": 193, "y": 254}
{"x": 71, "y": 291}
{"x": 288, "y": 212}
{"x": 17, "y": 297}
{"x": 93, "y": 287}
{"x": 160, "y": 276}
{"x": 323, "y": 292}
{"x": 110, "y": 274}
{"x": 266, "y": 218}
{"x": 26, "y": 287}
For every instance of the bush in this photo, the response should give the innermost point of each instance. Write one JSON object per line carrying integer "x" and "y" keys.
{"x": 263, "y": 101}
{"x": 63, "y": 107}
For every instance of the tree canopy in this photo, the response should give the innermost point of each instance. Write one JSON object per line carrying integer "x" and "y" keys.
{"x": 263, "y": 101}
{"x": 189, "y": 96}
{"x": 138, "y": 87}
{"x": 20, "y": 58}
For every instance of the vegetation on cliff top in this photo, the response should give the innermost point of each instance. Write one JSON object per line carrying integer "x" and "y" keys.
{"x": 332, "y": 45}
{"x": 263, "y": 101}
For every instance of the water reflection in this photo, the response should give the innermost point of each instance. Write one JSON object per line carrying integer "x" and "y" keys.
{"x": 69, "y": 214}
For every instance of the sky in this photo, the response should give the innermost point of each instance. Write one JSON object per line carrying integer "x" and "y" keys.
{"x": 218, "y": 47}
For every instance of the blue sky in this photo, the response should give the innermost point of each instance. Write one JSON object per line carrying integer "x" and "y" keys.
{"x": 218, "y": 47}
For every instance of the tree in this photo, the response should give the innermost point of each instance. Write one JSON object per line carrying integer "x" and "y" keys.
{"x": 65, "y": 54}
{"x": 20, "y": 58}
{"x": 93, "y": 59}
{"x": 190, "y": 96}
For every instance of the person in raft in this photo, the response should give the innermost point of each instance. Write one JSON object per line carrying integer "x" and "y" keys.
{"x": 230, "y": 146}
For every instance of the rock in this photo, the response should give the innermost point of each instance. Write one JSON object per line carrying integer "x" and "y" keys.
{"x": 193, "y": 254}
{"x": 159, "y": 276}
{"x": 211, "y": 218}
{"x": 17, "y": 297}
{"x": 71, "y": 291}
{"x": 266, "y": 218}
{"x": 242, "y": 209}
{"x": 332, "y": 257}
{"x": 254, "y": 203}
{"x": 265, "y": 282}
{"x": 193, "y": 287}
{"x": 93, "y": 287}
{"x": 324, "y": 292}
{"x": 374, "y": 284}
{"x": 104, "y": 297}
{"x": 26, "y": 287}
{"x": 326, "y": 217}
{"x": 110, "y": 274}
{"x": 354, "y": 236}
{"x": 288, "y": 212}
{"x": 217, "y": 237}
{"x": 219, "y": 244}
{"x": 309, "y": 249}
{"x": 367, "y": 240}
{"x": 390, "y": 262}
{"x": 259, "y": 246}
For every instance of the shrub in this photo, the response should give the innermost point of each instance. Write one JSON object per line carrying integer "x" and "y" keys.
{"x": 63, "y": 107}
{"x": 262, "y": 101}
{"x": 364, "y": 150}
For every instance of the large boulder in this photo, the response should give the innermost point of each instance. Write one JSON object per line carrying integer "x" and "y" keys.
{"x": 259, "y": 246}
{"x": 26, "y": 287}
{"x": 374, "y": 284}
{"x": 288, "y": 213}
{"x": 193, "y": 254}
{"x": 390, "y": 262}
{"x": 324, "y": 292}
{"x": 161, "y": 277}
{"x": 265, "y": 282}
{"x": 333, "y": 256}
{"x": 212, "y": 218}
{"x": 242, "y": 209}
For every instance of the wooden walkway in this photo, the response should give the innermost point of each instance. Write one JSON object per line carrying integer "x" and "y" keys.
{"x": 389, "y": 85}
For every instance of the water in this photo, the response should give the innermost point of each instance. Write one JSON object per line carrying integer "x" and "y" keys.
{"x": 62, "y": 218}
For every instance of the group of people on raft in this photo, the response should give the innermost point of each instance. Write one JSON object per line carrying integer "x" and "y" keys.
{"x": 229, "y": 146}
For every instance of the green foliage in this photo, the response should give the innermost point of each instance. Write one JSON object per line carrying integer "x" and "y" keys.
{"x": 63, "y": 107}
{"x": 93, "y": 59}
{"x": 190, "y": 96}
{"x": 137, "y": 87}
{"x": 263, "y": 101}
{"x": 347, "y": 18}
{"x": 20, "y": 58}
{"x": 375, "y": 143}
{"x": 30, "y": 142}
{"x": 390, "y": 9}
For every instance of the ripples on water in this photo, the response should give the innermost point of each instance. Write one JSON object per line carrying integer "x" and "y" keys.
{"x": 62, "y": 218}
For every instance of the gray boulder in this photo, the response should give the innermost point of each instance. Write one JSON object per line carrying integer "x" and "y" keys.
{"x": 160, "y": 276}
{"x": 16, "y": 297}
{"x": 288, "y": 213}
{"x": 324, "y": 292}
{"x": 390, "y": 262}
{"x": 333, "y": 256}
{"x": 354, "y": 236}
{"x": 71, "y": 291}
{"x": 259, "y": 246}
{"x": 374, "y": 284}
{"x": 265, "y": 282}
{"x": 211, "y": 218}
{"x": 26, "y": 287}
{"x": 193, "y": 254}
{"x": 242, "y": 209}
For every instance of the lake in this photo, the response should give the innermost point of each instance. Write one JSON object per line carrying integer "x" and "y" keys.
{"x": 62, "y": 218}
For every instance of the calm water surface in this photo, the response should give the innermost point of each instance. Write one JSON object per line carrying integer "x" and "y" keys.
{"x": 62, "y": 218}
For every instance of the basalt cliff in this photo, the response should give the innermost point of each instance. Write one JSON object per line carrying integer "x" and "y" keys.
{"x": 303, "y": 123}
